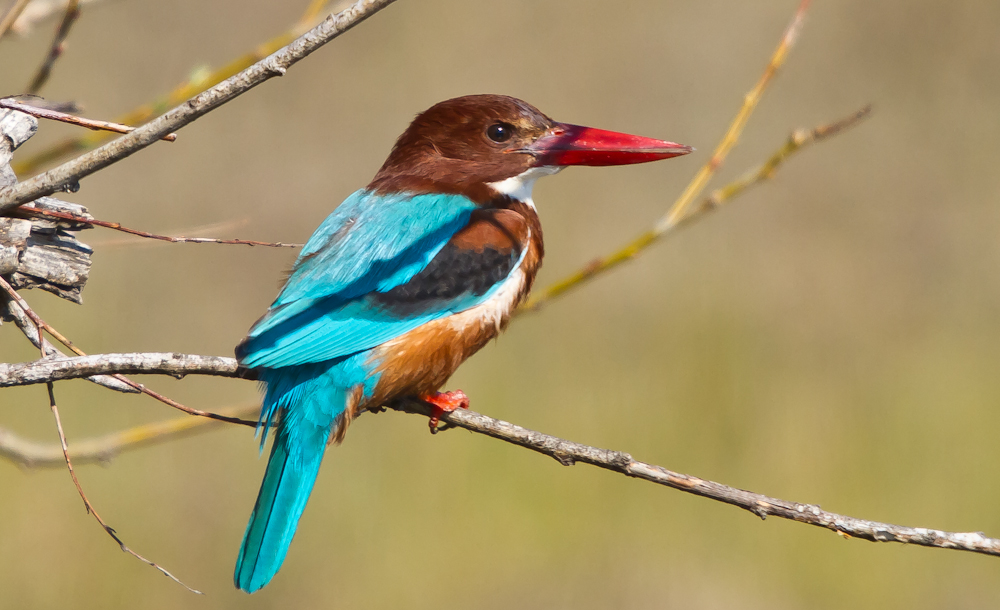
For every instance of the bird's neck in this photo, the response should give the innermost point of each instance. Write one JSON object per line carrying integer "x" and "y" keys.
{"x": 519, "y": 187}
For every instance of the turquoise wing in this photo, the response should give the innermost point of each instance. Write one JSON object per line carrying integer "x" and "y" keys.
{"x": 369, "y": 245}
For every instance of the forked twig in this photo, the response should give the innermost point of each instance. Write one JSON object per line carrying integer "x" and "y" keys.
{"x": 799, "y": 139}
{"x": 40, "y": 324}
{"x": 30, "y": 331}
{"x": 694, "y": 188}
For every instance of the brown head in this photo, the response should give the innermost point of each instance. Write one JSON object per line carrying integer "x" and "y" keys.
{"x": 467, "y": 145}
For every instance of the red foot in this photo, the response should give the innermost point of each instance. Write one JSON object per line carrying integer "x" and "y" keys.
{"x": 444, "y": 402}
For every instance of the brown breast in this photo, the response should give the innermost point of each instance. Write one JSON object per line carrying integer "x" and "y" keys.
{"x": 422, "y": 360}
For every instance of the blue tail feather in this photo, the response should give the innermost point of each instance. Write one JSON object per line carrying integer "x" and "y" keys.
{"x": 309, "y": 406}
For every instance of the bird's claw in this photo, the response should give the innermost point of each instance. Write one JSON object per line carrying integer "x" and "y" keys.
{"x": 444, "y": 402}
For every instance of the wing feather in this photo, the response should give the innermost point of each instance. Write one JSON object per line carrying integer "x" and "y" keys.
{"x": 355, "y": 287}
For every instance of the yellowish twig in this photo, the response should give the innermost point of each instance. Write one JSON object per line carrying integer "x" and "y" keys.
{"x": 102, "y": 449}
{"x": 798, "y": 140}
{"x": 199, "y": 81}
{"x": 680, "y": 207}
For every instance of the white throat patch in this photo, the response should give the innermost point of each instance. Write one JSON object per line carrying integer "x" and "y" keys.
{"x": 519, "y": 187}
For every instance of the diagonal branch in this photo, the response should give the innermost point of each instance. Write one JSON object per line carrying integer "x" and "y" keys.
{"x": 566, "y": 452}
{"x": 200, "y": 79}
{"x": 697, "y": 184}
{"x": 68, "y": 175}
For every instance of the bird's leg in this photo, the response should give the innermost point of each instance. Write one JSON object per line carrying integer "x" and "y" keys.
{"x": 444, "y": 402}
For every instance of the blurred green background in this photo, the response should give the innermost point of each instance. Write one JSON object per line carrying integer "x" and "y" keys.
{"x": 828, "y": 338}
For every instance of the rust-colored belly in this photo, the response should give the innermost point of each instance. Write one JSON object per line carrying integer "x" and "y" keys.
{"x": 422, "y": 360}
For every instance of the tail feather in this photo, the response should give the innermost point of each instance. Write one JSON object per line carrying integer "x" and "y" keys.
{"x": 296, "y": 455}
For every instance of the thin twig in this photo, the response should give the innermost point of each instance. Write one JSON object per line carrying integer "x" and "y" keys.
{"x": 58, "y": 46}
{"x": 694, "y": 188}
{"x": 11, "y": 16}
{"x": 90, "y": 507}
{"x": 200, "y": 80}
{"x": 103, "y": 449}
{"x": 179, "y": 239}
{"x": 55, "y": 115}
{"x": 566, "y": 452}
{"x": 196, "y": 412}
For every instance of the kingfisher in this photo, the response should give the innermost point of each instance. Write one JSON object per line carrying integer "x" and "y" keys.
{"x": 401, "y": 283}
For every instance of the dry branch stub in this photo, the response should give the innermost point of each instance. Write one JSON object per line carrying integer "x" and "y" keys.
{"x": 39, "y": 252}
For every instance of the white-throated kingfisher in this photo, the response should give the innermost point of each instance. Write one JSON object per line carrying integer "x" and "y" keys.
{"x": 406, "y": 279}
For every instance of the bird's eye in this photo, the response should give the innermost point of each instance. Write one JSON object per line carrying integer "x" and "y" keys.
{"x": 500, "y": 132}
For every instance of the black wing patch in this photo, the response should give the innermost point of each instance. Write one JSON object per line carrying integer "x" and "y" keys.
{"x": 455, "y": 272}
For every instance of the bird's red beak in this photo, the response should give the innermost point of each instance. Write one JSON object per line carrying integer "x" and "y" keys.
{"x": 566, "y": 144}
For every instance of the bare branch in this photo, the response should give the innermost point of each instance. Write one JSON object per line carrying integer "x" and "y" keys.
{"x": 566, "y": 452}
{"x": 58, "y": 46}
{"x": 72, "y": 119}
{"x": 68, "y": 175}
{"x": 86, "y": 502}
